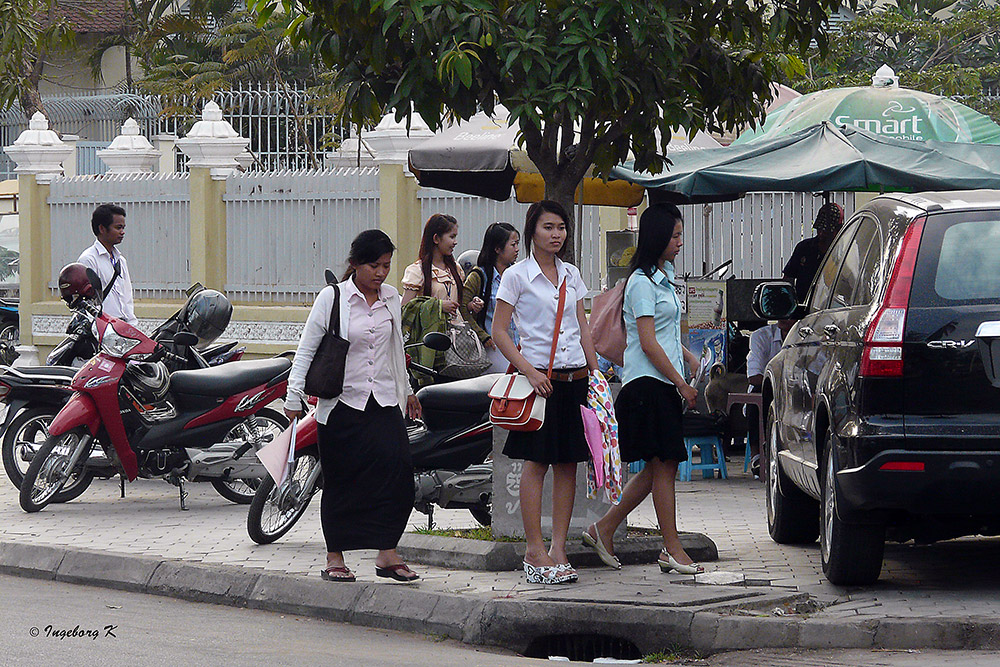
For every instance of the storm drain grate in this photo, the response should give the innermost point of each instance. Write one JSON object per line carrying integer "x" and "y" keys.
{"x": 583, "y": 648}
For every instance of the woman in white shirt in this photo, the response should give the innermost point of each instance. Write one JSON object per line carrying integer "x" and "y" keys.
{"x": 435, "y": 273}
{"x": 363, "y": 448}
{"x": 529, "y": 291}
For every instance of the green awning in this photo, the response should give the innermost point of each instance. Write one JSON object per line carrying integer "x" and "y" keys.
{"x": 820, "y": 158}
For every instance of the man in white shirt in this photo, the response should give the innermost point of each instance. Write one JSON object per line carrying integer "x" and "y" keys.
{"x": 108, "y": 223}
{"x": 764, "y": 344}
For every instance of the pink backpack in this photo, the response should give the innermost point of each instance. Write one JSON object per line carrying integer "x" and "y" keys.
{"x": 606, "y": 326}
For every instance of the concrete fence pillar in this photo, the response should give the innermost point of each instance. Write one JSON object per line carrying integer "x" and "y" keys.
{"x": 166, "y": 144}
{"x": 211, "y": 147}
{"x": 39, "y": 154}
{"x": 130, "y": 152}
{"x": 399, "y": 207}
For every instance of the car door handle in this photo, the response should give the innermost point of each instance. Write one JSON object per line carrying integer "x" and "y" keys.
{"x": 831, "y": 330}
{"x": 805, "y": 332}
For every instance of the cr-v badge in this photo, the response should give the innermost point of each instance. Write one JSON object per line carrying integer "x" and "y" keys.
{"x": 950, "y": 344}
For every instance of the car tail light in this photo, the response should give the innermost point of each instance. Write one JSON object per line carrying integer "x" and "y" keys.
{"x": 903, "y": 466}
{"x": 883, "y": 347}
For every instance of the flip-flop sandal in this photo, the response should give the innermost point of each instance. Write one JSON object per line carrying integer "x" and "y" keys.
{"x": 393, "y": 572}
{"x": 329, "y": 574}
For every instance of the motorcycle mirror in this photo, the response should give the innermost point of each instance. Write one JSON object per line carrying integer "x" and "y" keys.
{"x": 185, "y": 338}
{"x": 437, "y": 341}
{"x": 331, "y": 278}
{"x": 95, "y": 280}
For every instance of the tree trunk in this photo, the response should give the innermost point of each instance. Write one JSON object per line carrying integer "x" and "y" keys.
{"x": 29, "y": 97}
{"x": 562, "y": 190}
{"x": 31, "y": 100}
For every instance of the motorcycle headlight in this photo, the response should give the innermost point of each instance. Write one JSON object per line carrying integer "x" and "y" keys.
{"x": 115, "y": 344}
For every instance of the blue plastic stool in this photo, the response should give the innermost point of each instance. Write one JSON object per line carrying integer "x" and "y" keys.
{"x": 636, "y": 467}
{"x": 747, "y": 455}
{"x": 712, "y": 458}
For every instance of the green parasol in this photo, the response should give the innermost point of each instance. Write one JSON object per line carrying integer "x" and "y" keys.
{"x": 884, "y": 109}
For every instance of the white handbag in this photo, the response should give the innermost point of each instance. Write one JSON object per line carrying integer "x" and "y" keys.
{"x": 515, "y": 406}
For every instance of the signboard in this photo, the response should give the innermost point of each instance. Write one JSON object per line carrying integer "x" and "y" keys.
{"x": 706, "y": 319}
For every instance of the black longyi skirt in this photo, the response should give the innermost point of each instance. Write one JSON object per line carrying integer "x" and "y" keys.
{"x": 561, "y": 438}
{"x": 649, "y": 413}
{"x": 367, "y": 477}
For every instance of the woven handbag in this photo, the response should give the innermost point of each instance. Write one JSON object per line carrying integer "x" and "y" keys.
{"x": 325, "y": 377}
{"x": 515, "y": 405}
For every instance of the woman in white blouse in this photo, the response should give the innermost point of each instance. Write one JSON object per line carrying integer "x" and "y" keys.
{"x": 529, "y": 291}
{"x": 363, "y": 448}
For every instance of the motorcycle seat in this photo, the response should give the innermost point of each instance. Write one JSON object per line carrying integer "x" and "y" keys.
{"x": 228, "y": 379}
{"x": 54, "y": 373}
{"x": 459, "y": 396}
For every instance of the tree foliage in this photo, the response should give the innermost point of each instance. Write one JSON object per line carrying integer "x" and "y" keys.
{"x": 588, "y": 81}
{"x": 29, "y": 29}
{"x": 938, "y": 46}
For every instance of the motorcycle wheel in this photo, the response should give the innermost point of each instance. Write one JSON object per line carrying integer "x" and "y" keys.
{"x": 41, "y": 484}
{"x": 241, "y": 491}
{"x": 274, "y": 511}
{"x": 25, "y": 435}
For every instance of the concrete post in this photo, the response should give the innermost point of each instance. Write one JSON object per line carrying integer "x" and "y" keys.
{"x": 69, "y": 166}
{"x": 211, "y": 147}
{"x": 399, "y": 208}
{"x": 399, "y": 215}
{"x": 39, "y": 154}
{"x": 130, "y": 152}
{"x": 167, "y": 145}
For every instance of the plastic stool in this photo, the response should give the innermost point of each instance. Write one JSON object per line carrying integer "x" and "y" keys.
{"x": 747, "y": 455}
{"x": 636, "y": 467}
{"x": 712, "y": 458}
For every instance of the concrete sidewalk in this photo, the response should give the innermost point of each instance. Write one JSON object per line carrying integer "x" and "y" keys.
{"x": 942, "y": 596}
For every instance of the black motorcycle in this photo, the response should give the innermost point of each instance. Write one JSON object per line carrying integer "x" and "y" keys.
{"x": 450, "y": 449}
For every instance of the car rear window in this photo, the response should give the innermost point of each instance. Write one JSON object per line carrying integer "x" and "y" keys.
{"x": 958, "y": 261}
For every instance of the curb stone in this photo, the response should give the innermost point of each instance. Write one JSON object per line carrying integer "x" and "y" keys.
{"x": 466, "y": 554}
{"x": 504, "y": 622}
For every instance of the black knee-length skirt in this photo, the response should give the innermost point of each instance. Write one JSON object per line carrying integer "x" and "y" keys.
{"x": 367, "y": 477}
{"x": 561, "y": 438}
{"x": 649, "y": 413}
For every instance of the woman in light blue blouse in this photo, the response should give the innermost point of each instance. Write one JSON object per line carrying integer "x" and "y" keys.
{"x": 654, "y": 391}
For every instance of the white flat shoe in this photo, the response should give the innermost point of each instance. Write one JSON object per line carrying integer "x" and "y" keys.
{"x": 597, "y": 545}
{"x": 671, "y": 564}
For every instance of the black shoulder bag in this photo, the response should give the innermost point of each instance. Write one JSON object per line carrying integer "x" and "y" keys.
{"x": 325, "y": 377}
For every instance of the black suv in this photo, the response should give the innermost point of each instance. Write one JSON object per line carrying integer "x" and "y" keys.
{"x": 880, "y": 413}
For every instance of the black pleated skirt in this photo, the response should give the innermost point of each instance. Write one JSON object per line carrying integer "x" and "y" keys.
{"x": 561, "y": 438}
{"x": 367, "y": 477}
{"x": 649, "y": 413}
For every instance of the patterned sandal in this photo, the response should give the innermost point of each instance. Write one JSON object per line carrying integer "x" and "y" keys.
{"x": 542, "y": 574}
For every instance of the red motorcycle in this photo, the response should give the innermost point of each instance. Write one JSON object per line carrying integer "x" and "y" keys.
{"x": 197, "y": 425}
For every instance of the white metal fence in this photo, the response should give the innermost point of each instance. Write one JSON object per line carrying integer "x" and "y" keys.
{"x": 475, "y": 214}
{"x": 157, "y": 238}
{"x": 757, "y": 232}
{"x": 284, "y": 228}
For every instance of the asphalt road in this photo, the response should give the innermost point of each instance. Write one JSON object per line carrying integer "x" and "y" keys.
{"x": 46, "y": 622}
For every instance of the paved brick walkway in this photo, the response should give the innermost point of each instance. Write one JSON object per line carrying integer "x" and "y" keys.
{"x": 951, "y": 579}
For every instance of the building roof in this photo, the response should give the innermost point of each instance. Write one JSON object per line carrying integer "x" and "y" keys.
{"x": 97, "y": 16}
